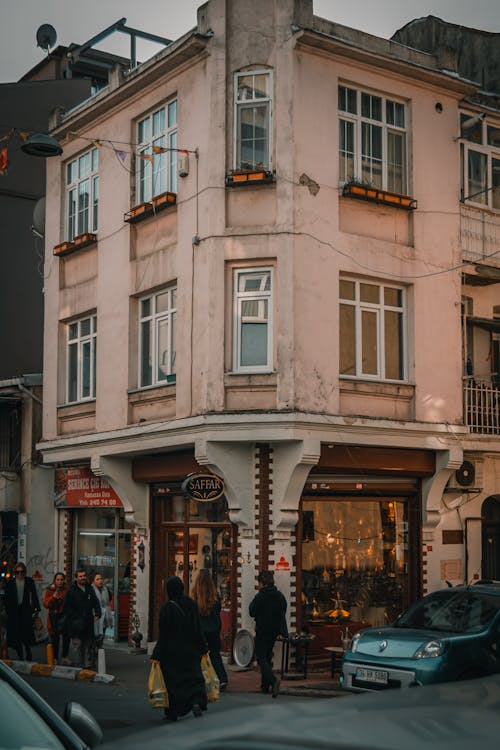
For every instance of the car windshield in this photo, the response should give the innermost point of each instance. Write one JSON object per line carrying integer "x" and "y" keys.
{"x": 449, "y": 611}
{"x": 21, "y": 726}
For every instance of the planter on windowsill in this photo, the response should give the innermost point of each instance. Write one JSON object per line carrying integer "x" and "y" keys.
{"x": 171, "y": 378}
{"x": 376, "y": 195}
{"x": 148, "y": 208}
{"x": 79, "y": 242}
{"x": 245, "y": 177}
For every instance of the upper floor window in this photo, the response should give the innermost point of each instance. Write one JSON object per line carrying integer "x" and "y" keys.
{"x": 372, "y": 140}
{"x": 372, "y": 330}
{"x": 82, "y": 194}
{"x": 252, "y": 316}
{"x": 157, "y": 322}
{"x": 81, "y": 359}
{"x": 480, "y": 161}
{"x": 156, "y": 166}
{"x": 252, "y": 118}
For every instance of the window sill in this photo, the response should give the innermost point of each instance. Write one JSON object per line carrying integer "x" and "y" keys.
{"x": 381, "y": 387}
{"x": 248, "y": 177}
{"x": 151, "y": 391}
{"x": 150, "y": 208}
{"x": 242, "y": 378}
{"x": 376, "y": 195}
{"x": 76, "y": 408}
{"x": 70, "y": 246}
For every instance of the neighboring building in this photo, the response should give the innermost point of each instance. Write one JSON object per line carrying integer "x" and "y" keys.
{"x": 266, "y": 285}
{"x": 26, "y": 487}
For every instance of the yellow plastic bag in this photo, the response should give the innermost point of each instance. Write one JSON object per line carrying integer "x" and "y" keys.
{"x": 157, "y": 691}
{"x": 212, "y": 683}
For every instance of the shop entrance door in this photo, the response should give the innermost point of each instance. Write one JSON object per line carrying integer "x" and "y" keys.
{"x": 189, "y": 536}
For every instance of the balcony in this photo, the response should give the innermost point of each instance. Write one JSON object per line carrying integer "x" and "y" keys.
{"x": 480, "y": 236}
{"x": 482, "y": 406}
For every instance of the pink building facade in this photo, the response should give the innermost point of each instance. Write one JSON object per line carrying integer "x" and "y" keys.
{"x": 254, "y": 269}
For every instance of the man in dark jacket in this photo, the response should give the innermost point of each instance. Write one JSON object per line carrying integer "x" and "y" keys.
{"x": 81, "y": 609}
{"x": 268, "y": 608}
{"x": 22, "y": 605}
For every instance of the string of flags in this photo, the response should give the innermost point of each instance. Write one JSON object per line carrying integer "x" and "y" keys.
{"x": 116, "y": 146}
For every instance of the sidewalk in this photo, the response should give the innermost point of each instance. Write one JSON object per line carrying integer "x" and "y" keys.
{"x": 126, "y": 667}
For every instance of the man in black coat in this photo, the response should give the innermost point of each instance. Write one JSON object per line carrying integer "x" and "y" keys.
{"x": 81, "y": 609}
{"x": 268, "y": 608}
{"x": 21, "y": 605}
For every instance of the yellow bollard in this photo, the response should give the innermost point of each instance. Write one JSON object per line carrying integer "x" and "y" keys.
{"x": 50, "y": 654}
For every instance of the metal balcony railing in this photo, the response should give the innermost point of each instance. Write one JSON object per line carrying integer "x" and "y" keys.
{"x": 480, "y": 235}
{"x": 482, "y": 406}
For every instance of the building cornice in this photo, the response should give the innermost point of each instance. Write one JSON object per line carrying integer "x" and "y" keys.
{"x": 251, "y": 428}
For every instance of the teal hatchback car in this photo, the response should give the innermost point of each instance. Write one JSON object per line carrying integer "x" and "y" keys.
{"x": 453, "y": 634}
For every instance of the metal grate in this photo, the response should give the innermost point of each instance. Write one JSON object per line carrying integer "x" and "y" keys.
{"x": 482, "y": 406}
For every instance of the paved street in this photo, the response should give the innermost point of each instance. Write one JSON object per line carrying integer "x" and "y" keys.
{"x": 122, "y": 707}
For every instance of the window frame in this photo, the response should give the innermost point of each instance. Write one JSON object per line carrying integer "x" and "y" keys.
{"x": 469, "y": 144}
{"x": 260, "y": 295}
{"x": 145, "y": 170}
{"x": 238, "y": 105}
{"x": 80, "y": 341}
{"x": 155, "y": 319}
{"x": 379, "y": 308}
{"x": 73, "y": 228}
{"x": 358, "y": 120}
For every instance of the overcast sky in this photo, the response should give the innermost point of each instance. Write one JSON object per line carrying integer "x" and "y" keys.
{"x": 79, "y": 20}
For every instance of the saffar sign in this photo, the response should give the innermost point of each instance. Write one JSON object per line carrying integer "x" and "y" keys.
{"x": 204, "y": 488}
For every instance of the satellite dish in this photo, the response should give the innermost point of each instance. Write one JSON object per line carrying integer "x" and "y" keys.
{"x": 39, "y": 217}
{"x": 46, "y": 37}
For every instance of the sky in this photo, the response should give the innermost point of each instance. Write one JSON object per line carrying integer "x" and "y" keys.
{"x": 79, "y": 20}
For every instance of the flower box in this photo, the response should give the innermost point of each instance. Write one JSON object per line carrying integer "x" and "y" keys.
{"x": 148, "y": 208}
{"x": 64, "y": 248}
{"x": 245, "y": 177}
{"x": 376, "y": 195}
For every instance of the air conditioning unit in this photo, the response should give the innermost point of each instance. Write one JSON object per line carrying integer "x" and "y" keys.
{"x": 469, "y": 477}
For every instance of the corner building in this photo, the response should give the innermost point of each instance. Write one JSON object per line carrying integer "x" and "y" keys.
{"x": 253, "y": 270}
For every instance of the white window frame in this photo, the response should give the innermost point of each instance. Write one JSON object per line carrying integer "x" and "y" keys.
{"x": 80, "y": 343}
{"x": 154, "y": 320}
{"x": 77, "y": 172}
{"x": 158, "y": 173}
{"x": 259, "y": 296}
{"x": 358, "y": 121}
{"x": 379, "y": 310}
{"x": 266, "y": 102}
{"x": 475, "y": 140}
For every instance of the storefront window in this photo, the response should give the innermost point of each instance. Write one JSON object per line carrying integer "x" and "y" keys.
{"x": 355, "y": 561}
{"x": 103, "y": 546}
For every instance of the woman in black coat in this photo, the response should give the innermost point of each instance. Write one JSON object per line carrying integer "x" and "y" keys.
{"x": 179, "y": 649}
{"x": 21, "y": 605}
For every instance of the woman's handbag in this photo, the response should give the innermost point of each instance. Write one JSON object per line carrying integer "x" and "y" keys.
{"x": 212, "y": 684}
{"x": 157, "y": 691}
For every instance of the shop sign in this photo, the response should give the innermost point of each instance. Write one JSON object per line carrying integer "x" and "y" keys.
{"x": 80, "y": 488}
{"x": 282, "y": 564}
{"x": 205, "y": 488}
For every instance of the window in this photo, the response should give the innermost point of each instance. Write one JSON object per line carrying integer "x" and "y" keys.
{"x": 156, "y": 163}
{"x": 372, "y": 330}
{"x": 82, "y": 194}
{"x": 253, "y": 320}
{"x": 252, "y": 117}
{"x": 480, "y": 163}
{"x": 157, "y": 322}
{"x": 372, "y": 140}
{"x": 81, "y": 362}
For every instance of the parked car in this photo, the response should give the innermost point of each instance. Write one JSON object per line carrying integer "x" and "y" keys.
{"x": 26, "y": 721}
{"x": 453, "y": 634}
{"x": 451, "y": 716}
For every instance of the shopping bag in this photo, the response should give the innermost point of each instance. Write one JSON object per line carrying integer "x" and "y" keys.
{"x": 39, "y": 631}
{"x": 212, "y": 683}
{"x": 157, "y": 691}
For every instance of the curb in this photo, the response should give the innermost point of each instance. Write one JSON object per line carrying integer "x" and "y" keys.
{"x": 65, "y": 673}
{"x": 311, "y": 692}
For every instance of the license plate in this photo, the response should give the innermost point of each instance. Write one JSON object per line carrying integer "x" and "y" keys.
{"x": 372, "y": 675}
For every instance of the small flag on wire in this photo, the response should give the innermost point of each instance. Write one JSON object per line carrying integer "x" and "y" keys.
{"x": 4, "y": 161}
{"x": 122, "y": 155}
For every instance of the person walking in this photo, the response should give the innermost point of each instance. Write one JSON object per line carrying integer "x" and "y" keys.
{"x": 209, "y": 605}
{"x": 104, "y": 597}
{"x": 53, "y": 601}
{"x": 268, "y": 607}
{"x": 81, "y": 609}
{"x": 179, "y": 649}
{"x": 22, "y": 606}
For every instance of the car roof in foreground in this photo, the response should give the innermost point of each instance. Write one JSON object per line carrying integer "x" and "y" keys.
{"x": 447, "y": 716}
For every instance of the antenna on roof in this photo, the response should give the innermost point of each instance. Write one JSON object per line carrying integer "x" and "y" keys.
{"x": 46, "y": 37}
